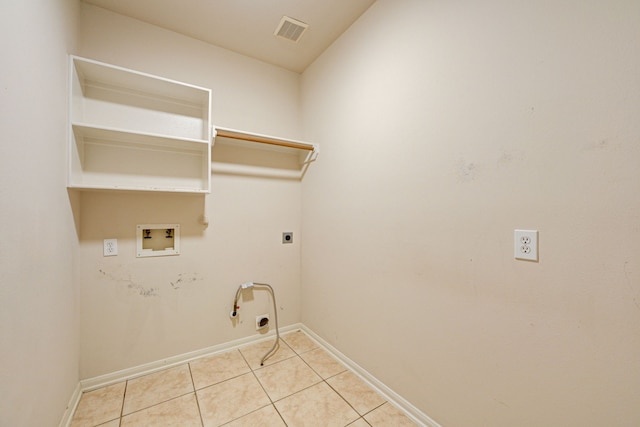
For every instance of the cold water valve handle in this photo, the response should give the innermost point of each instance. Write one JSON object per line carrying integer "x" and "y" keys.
{"x": 234, "y": 313}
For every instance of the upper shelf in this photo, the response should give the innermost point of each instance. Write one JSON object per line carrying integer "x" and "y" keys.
{"x": 135, "y": 131}
{"x": 283, "y": 158}
{"x": 114, "y": 97}
{"x": 264, "y": 139}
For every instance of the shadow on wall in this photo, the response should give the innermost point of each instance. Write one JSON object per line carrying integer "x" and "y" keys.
{"x": 236, "y": 157}
{"x": 115, "y": 214}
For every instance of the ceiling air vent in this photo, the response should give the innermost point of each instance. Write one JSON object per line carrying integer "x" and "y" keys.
{"x": 290, "y": 29}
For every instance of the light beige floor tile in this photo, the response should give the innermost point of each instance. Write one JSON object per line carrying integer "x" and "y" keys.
{"x": 114, "y": 423}
{"x": 267, "y": 417}
{"x": 158, "y": 387}
{"x": 179, "y": 412}
{"x": 359, "y": 395}
{"x": 254, "y": 353}
{"x": 231, "y": 399}
{"x": 388, "y": 415}
{"x": 99, "y": 406}
{"x": 323, "y": 363}
{"x": 287, "y": 377}
{"x": 316, "y": 406}
{"x": 360, "y": 422}
{"x": 220, "y": 367}
{"x": 299, "y": 342}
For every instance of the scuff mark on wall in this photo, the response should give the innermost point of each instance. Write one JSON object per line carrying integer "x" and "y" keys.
{"x": 508, "y": 157}
{"x": 501, "y": 402}
{"x": 130, "y": 284}
{"x": 184, "y": 279}
{"x": 466, "y": 171}
{"x": 604, "y": 144}
{"x": 145, "y": 292}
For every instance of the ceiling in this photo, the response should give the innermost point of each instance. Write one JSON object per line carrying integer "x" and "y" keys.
{"x": 247, "y": 26}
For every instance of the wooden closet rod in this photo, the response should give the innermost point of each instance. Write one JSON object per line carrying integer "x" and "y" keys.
{"x": 262, "y": 139}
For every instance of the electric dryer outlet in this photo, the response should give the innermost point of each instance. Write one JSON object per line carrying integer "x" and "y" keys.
{"x": 262, "y": 322}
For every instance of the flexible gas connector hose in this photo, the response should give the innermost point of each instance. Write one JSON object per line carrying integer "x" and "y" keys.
{"x": 234, "y": 313}
{"x": 275, "y": 315}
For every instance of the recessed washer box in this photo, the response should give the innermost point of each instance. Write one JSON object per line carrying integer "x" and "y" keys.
{"x": 157, "y": 240}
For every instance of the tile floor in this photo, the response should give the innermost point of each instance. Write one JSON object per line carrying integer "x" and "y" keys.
{"x": 300, "y": 385}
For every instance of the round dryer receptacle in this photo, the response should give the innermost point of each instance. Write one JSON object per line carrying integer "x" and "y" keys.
{"x": 262, "y": 322}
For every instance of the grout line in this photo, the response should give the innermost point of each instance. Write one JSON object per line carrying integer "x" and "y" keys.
{"x": 343, "y": 398}
{"x": 251, "y": 412}
{"x": 377, "y": 407}
{"x": 293, "y": 349}
{"x": 158, "y": 403}
{"x": 336, "y": 391}
{"x": 327, "y": 383}
{"x": 124, "y": 397}
{"x": 394, "y": 399}
{"x": 299, "y": 391}
{"x": 361, "y": 418}
{"x": 221, "y": 381}
{"x": 282, "y": 345}
{"x": 193, "y": 384}
{"x": 279, "y": 414}
{"x": 262, "y": 386}
{"x": 101, "y": 381}
{"x": 276, "y": 363}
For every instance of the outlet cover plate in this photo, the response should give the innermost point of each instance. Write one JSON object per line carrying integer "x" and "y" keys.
{"x": 525, "y": 245}
{"x": 110, "y": 247}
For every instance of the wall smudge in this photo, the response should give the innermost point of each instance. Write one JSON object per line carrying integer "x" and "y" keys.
{"x": 604, "y": 144}
{"x": 130, "y": 284}
{"x": 145, "y": 292}
{"x": 466, "y": 171}
{"x": 184, "y": 279}
{"x": 509, "y": 157}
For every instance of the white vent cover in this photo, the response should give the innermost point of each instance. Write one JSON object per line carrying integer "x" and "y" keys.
{"x": 290, "y": 29}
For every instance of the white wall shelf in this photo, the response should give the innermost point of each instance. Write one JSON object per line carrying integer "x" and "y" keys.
{"x": 134, "y": 131}
{"x": 264, "y": 139}
{"x": 280, "y": 158}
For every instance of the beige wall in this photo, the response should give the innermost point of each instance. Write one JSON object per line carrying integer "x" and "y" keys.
{"x": 39, "y": 326}
{"x": 140, "y": 310}
{"x": 444, "y": 126}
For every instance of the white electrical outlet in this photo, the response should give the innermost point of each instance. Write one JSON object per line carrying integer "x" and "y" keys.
{"x": 110, "y": 247}
{"x": 526, "y": 244}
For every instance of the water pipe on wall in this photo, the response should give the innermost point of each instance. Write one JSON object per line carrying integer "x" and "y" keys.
{"x": 236, "y": 307}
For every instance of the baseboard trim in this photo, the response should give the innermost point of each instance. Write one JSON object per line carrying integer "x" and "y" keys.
{"x": 149, "y": 368}
{"x": 392, "y": 397}
{"x": 71, "y": 407}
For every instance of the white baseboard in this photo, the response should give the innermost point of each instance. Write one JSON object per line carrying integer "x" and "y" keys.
{"x": 126, "y": 374}
{"x": 71, "y": 407}
{"x": 149, "y": 368}
{"x": 392, "y": 397}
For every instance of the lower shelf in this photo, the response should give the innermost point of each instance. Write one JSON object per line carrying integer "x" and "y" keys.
{"x": 113, "y": 160}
